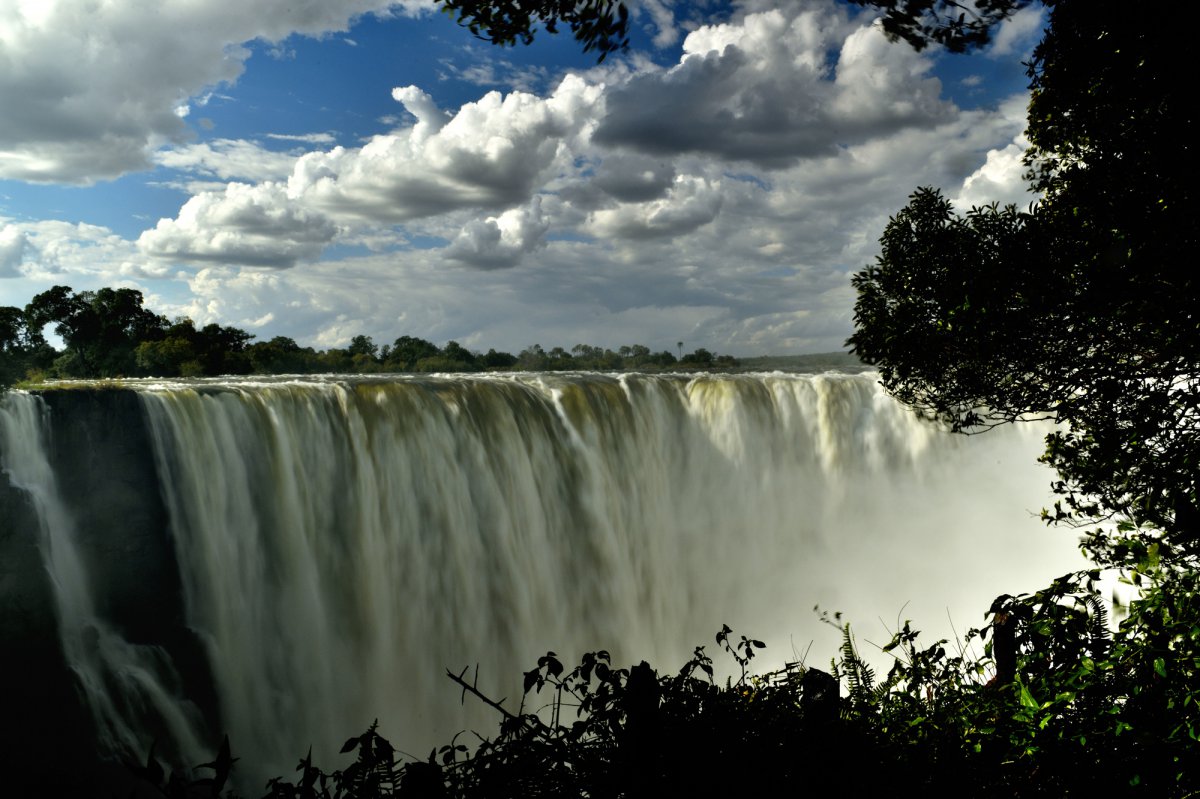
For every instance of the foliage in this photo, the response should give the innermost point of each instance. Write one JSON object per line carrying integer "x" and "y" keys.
{"x": 1081, "y": 309}
{"x": 109, "y": 334}
{"x": 100, "y": 328}
{"x": 957, "y": 26}
{"x": 599, "y": 25}
{"x": 1081, "y": 710}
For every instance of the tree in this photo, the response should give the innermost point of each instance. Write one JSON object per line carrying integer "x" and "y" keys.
{"x": 364, "y": 354}
{"x": 599, "y": 25}
{"x": 12, "y": 329}
{"x": 173, "y": 356}
{"x": 1083, "y": 309}
{"x": 957, "y": 25}
{"x": 281, "y": 355}
{"x": 363, "y": 345}
{"x": 407, "y": 351}
{"x": 100, "y": 328}
{"x": 533, "y": 359}
{"x": 498, "y": 360}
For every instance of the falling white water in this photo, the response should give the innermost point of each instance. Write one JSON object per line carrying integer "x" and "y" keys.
{"x": 343, "y": 542}
{"x": 131, "y": 690}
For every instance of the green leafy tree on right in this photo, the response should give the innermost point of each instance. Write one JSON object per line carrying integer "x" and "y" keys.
{"x": 1083, "y": 309}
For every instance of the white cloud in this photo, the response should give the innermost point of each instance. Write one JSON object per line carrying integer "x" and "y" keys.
{"x": 784, "y": 87}
{"x": 246, "y": 225}
{"x": 724, "y": 202}
{"x": 491, "y": 71}
{"x": 91, "y": 89}
{"x": 48, "y": 251}
{"x": 690, "y": 203}
{"x": 882, "y": 86}
{"x": 304, "y": 138}
{"x": 228, "y": 159}
{"x": 760, "y": 90}
{"x": 632, "y": 177}
{"x": 1019, "y": 33}
{"x": 491, "y": 154}
{"x": 500, "y": 241}
{"x": 1001, "y": 176}
{"x": 1001, "y": 179}
{"x": 661, "y": 20}
{"x": 12, "y": 250}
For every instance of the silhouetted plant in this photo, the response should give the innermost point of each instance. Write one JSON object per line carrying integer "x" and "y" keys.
{"x": 1081, "y": 710}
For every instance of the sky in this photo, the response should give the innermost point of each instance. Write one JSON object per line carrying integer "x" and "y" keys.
{"x": 321, "y": 169}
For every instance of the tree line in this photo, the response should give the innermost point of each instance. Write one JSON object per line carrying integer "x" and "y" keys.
{"x": 109, "y": 333}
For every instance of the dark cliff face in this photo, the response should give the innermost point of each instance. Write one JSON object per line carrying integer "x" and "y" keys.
{"x": 102, "y": 456}
{"x": 43, "y": 720}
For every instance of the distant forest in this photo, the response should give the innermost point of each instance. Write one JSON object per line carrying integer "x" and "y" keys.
{"x": 109, "y": 333}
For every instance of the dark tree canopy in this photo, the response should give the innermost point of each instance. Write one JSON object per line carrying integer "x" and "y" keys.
{"x": 957, "y": 26}
{"x": 599, "y": 25}
{"x": 603, "y": 25}
{"x": 1085, "y": 308}
{"x": 108, "y": 334}
{"x": 100, "y": 328}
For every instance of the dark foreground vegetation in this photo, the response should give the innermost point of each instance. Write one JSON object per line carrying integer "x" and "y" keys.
{"x": 1044, "y": 702}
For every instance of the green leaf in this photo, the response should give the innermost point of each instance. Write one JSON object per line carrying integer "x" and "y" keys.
{"x": 1160, "y": 666}
{"x": 1027, "y": 700}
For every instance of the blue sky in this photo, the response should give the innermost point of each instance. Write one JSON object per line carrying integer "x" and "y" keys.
{"x": 322, "y": 169}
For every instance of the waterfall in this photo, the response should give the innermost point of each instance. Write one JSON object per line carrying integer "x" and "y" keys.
{"x": 132, "y": 691}
{"x": 342, "y": 541}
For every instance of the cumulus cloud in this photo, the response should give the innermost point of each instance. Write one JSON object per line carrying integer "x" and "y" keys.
{"x": 228, "y": 159}
{"x": 304, "y": 138}
{"x": 1020, "y": 32}
{"x": 492, "y": 154}
{"x": 881, "y": 87}
{"x": 491, "y": 71}
{"x": 768, "y": 88}
{"x": 723, "y": 201}
{"x": 690, "y": 203}
{"x": 773, "y": 88}
{"x": 632, "y": 177}
{"x": 12, "y": 250}
{"x": 500, "y": 241}
{"x": 247, "y": 225}
{"x": 100, "y": 86}
{"x": 43, "y": 252}
{"x": 659, "y": 17}
{"x": 1001, "y": 179}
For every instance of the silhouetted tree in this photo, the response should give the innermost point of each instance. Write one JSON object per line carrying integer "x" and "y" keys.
{"x": 1082, "y": 309}
{"x": 281, "y": 355}
{"x": 599, "y": 25}
{"x": 957, "y": 25}
{"x": 407, "y": 351}
{"x": 101, "y": 329}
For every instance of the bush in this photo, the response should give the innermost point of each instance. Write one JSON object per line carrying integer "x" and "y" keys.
{"x": 1055, "y": 704}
